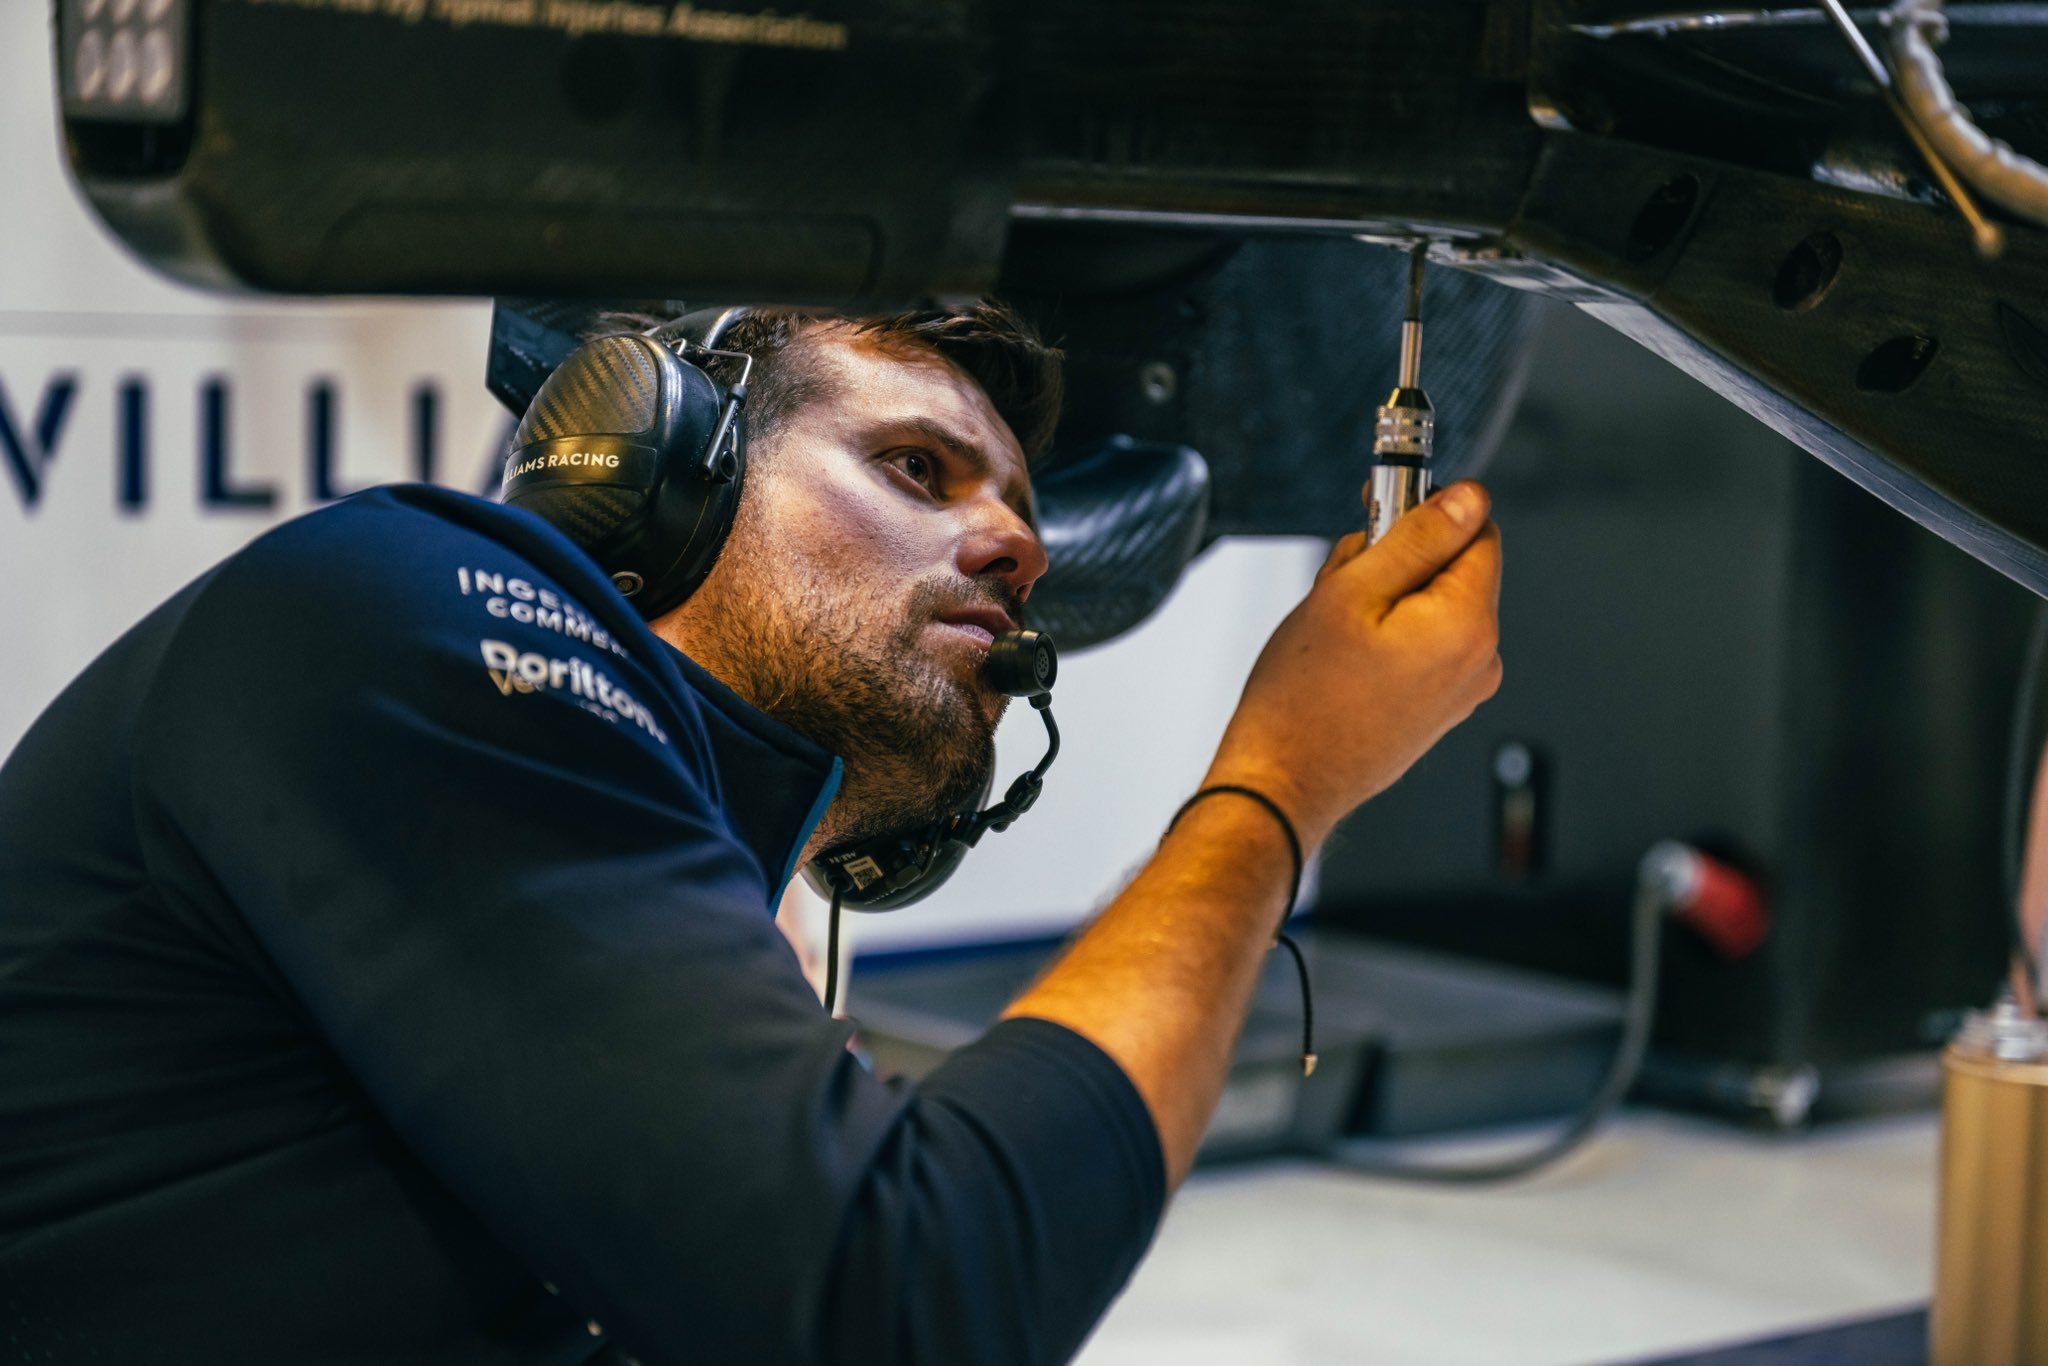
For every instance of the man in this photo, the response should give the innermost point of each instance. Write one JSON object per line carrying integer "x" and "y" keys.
{"x": 387, "y": 971}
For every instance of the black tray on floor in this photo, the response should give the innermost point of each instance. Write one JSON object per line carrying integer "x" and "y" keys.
{"x": 1410, "y": 1043}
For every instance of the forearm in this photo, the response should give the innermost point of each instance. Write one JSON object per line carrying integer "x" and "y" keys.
{"x": 1162, "y": 980}
{"x": 1393, "y": 646}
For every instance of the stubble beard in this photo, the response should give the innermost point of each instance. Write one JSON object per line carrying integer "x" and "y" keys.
{"x": 826, "y": 653}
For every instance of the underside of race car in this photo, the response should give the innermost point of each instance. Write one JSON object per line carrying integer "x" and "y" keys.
{"x": 1194, "y": 197}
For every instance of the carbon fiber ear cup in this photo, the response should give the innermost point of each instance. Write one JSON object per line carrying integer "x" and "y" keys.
{"x": 614, "y": 452}
{"x": 611, "y": 385}
{"x": 893, "y": 871}
{"x": 615, "y": 386}
{"x": 588, "y": 514}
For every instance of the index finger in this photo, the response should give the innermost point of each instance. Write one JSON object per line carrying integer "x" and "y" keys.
{"x": 1346, "y": 549}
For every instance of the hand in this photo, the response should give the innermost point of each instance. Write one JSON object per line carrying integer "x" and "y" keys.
{"x": 1394, "y": 645}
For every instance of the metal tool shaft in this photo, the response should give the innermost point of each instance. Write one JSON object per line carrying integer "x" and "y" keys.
{"x": 1404, "y": 430}
{"x": 1411, "y": 326}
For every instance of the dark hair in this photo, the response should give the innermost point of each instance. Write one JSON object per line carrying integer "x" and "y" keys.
{"x": 989, "y": 341}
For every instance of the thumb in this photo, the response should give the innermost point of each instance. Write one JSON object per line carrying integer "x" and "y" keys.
{"x": 1425, "y": 540}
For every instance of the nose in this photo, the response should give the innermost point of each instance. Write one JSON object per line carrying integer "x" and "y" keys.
{"x": 1002, "y": 543}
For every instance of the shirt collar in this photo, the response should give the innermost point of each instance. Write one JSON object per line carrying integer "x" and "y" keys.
{"x": 773, "y": 781}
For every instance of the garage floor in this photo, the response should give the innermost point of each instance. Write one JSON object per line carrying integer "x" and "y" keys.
{"x": 1664, "y": 1234}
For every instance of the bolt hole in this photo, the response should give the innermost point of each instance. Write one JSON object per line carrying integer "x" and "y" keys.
{"x": 1808, "y": 272}
{"x": 1892, "y": 367}
{"x": 1158, "y": 382}
{"x": 1664, "y": 215}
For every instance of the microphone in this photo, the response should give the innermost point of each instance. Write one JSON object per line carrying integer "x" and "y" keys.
{"x": 1022, "y": 664}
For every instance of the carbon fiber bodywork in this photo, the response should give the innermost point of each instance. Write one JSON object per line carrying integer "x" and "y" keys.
{"x": 1681, "y": 180}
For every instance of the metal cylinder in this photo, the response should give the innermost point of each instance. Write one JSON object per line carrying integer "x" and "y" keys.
{"x": 1392, "y": 490}
{"x": 1991, "y": 1271}
{"x": 1404, "y": 428}
{"x": 1410, "y": 376}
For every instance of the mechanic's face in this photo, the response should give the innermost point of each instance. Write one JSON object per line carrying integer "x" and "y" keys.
{"x": 884, "y": 538}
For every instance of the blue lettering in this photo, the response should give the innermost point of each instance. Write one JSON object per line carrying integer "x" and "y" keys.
{"x": 320, "y": 443}
{"x": 426, "y": 430}
{"x": 217, "y": 490}
{"x": 131, "y": 436}
{"x": 30, "y": 462}
{"x": 30, "y": 437}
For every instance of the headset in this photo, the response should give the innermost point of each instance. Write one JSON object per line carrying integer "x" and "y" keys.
{"x": 637, "y": 455}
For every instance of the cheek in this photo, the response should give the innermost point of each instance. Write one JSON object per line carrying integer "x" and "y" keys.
{"x": 868, "y": 534}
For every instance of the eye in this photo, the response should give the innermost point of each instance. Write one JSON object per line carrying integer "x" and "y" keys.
{"x": 917, "y": 466}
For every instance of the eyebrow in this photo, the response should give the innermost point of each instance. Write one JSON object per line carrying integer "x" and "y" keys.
{"x": 965, "y": 450}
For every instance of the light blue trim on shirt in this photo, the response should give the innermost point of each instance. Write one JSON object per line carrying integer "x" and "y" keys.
{"x": 825, "y": 796}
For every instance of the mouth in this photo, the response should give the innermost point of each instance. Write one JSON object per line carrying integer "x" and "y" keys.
{"x": 977, "y": 625}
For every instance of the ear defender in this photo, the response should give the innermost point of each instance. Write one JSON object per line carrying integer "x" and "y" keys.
{"x": 902, "y": 868}
{"x": 638, "y": 456}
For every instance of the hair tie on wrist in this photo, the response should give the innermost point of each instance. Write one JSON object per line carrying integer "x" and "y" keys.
{"x": 1280, "y": 936}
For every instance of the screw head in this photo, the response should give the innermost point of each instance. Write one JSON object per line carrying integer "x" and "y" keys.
{"x": 1158, "y": 382}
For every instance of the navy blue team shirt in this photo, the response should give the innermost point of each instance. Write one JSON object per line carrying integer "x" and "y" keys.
{"x": 388, "y": 974}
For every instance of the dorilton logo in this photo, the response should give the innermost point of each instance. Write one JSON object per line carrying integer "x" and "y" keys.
{"x": 517, "y": 671}
{"x": 565, "y": 460}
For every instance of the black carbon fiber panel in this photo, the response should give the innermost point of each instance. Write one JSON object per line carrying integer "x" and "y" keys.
{"x": 587, "y": 514}
{"x": 530, "y": 337}
{"x": 1119, "y": 526}
{"x": 1301, "y": 348}
{"x": 611, "y": 387}
{"x": 1270, "y": 358}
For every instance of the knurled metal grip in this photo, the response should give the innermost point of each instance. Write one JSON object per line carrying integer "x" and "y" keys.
{"x": 1404, "y": 435}
{"x": 1404, "y": 426}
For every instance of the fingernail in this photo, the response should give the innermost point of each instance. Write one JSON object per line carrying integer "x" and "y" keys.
{"x": 1461, "y": 504}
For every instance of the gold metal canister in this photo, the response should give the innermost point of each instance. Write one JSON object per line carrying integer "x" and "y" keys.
{"x": 1991, "y": 1269}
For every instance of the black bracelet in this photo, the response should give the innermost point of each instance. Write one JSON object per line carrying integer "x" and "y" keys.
{"x": 1280, "y": 937}
{"x": 1286, "y": 826}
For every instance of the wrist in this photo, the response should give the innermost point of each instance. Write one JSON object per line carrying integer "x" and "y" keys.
{"x": 1302, "y": 810}
{"x": 1240, "y": 843}
{"x": 1280, "y": 821}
